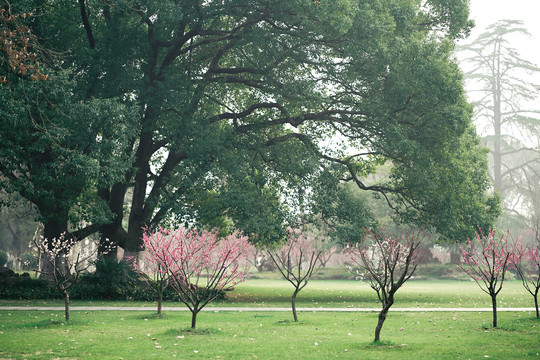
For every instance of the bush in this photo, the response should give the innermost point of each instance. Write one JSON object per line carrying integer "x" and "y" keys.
{"x": 3, "y": 258}
{"x": 112, "y": 281}
{"x": 15, "y": 286}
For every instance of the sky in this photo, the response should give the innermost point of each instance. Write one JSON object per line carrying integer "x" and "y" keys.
{"x": 487, "y": 12}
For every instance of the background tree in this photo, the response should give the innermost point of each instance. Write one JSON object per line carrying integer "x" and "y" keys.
{"x": 386, "y": 262}
{"x": 506, "y": 114}
{"x": 486, "y": 261}
{"x": 234, "y": 96}
{"x": 297, "y": 261}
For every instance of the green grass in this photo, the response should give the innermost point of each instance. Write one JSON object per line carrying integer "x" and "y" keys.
{"x": 244, "y": 335}
{"x": 264, "y": 335}
{"x": 344, "y": 293}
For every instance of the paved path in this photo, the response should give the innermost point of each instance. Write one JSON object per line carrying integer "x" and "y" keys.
{"x": 253, "y": 309}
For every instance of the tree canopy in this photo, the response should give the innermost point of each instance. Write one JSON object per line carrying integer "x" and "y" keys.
{"x": 226, "y": 107}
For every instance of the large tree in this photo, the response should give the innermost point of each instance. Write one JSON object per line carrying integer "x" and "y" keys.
{"x": 499, "y": 80}
{"x": 239, "y": 101}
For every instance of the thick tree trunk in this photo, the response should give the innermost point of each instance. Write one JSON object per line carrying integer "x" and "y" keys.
{"x": 113, "y": 232}
{"x": 294, "y": 305}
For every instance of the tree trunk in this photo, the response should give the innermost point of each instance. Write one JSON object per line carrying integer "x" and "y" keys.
{"x": 159, "y": 303}
{"x": 382, "y": 318}
{"x": 194, "y": 318}
{"x": 494, "y": 305}
{"x": 536, "y": 304}
{"x": 294, "y": 305}
{"x": 66, "y": 302}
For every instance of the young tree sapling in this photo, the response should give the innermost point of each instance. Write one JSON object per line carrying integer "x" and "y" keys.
{"x": 152, "y": 263}
{"x": 486, "y": 261}
{"x": 527, "y": 264}
{"x": 297, "y": 261}
{"x": 57, "y": 263}
{"x": 386, "y": 262}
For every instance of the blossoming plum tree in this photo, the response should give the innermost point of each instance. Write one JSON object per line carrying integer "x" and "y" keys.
{"x": 200, "y": 265}
{"x": 386, "y": 262}
{"x": 152, "y": 263}
{"x": 486, "y": 261}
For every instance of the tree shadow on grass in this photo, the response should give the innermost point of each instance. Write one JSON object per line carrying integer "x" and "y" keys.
{"x": 191, "y": 332}
{"x": 386, "y": 345}
{"x": 152, "y": 316}
{"x": 52, "y": 323}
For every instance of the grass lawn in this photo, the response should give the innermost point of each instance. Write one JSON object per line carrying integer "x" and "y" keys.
{"x": 321, "y": 335}
{"x": 344, "y": 293}
{"x": 247, "y": 335}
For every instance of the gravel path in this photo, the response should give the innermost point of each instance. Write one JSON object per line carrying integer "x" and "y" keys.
{"x": 253, "y": 309}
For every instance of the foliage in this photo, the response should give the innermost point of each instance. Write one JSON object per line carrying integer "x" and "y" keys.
{"x": 3, "y": 258}
{"x": 23, "y": 287}
{"x": 386, "y": 261}
{"x": 234, "y": 103}
{"x": 297, "y": 261}
{"x": 112, "y": 280}
{"x": 18, "y": 44}
{"x": 486, "y": 261}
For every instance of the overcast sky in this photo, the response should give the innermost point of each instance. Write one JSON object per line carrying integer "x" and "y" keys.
{"x": 487, "y": 12}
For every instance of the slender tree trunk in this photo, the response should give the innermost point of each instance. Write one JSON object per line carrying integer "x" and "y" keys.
{"x": 66, "y": 303}
{"x": 382, "y": 318}
{"x": 494, "y": 305}
{"x": 536, "y": 304}
{"x": 294, "y": 305}
{"x": 194, "y": 318}
{"x": 159, "y": 303}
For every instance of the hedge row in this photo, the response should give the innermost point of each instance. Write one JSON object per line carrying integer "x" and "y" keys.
{"x": 111, "y": 281}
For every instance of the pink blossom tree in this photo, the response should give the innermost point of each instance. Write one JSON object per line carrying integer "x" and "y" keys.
{"x": 527, "y": 264}
{"x": 297, "y": 261}
{"x": 153, "y": 263}
{"x": 386, "y": 262}
{"x": 200, "y": 265}
{"x": 486, "y": 261}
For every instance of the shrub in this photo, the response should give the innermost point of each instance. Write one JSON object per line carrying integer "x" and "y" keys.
{"x": 3, "y": 258}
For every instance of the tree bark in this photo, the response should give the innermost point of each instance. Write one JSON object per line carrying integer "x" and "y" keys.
{"x": 66, "y": 302}
{"x": 494, "y": 305}
{"x": 294, "y": 305}
{"x": 382, "y": 318}
{"x": 159, "y": 303}
{"x": 536, "y": 304}
{"x": 194, "y": 318}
